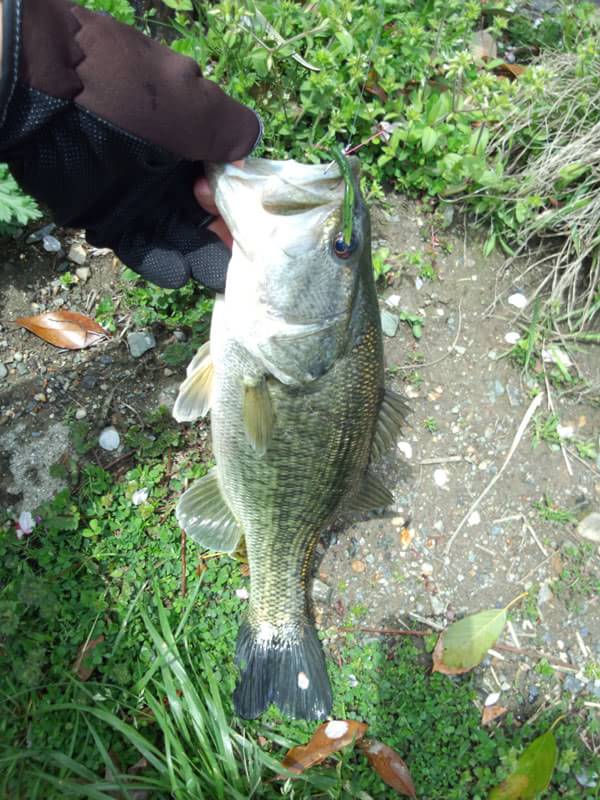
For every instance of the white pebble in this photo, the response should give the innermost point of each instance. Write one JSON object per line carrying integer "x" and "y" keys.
{"x": 426, "y": 569}
{"x": 518, "y": 300}
{"x": 243, "y": 594}
{"x": 565, "y": 431}
{"x": 109, "y": 439}
{"x": 474, "y": 519}
{"x": 440, "y": 478}
{"x": 406, "y": 449}
{"x": 492, "y": 699}
{"x": 336, "y": 728}
{"x": 512, "y": 337}
{"x": 81, "y": 413}
{"x": 393, "y": 300}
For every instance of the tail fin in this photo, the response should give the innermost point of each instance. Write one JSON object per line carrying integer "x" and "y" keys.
{"x": 288, "y": 672}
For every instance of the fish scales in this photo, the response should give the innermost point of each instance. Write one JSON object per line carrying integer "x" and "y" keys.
{"x": 294, "y": 379}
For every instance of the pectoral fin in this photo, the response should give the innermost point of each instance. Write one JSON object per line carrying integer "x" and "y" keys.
{"x": 194, "y": 398}
{"x": 392, "y": 414}
{"x": 371, "y": 495}
{"x": 259, "y": 417}
{"x": 205, "y": 516}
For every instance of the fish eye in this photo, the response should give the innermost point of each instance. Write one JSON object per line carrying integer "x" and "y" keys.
{"x": 344, "y": 249}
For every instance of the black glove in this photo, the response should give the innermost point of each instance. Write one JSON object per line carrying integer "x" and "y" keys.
{"x": 109, "y": 129}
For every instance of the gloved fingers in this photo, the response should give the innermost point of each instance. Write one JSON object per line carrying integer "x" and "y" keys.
{"x": 155, "y": 261}
{"x": 179, "y": 251}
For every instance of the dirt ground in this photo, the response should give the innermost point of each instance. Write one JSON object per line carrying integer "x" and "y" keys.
{"x": 467, "y": 403}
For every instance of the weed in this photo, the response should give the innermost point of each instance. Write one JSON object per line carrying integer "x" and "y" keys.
{"x": 430, "y": 424}
{"x": 414, "y": 321}
{"x": 173, "y": 308}
{"x": 579, "y": 579}
{"x": 105, "y": 313}
{"x": 545, "y": 429}
{"x": 381, "y": 265}
{"x": 553, "y": 513}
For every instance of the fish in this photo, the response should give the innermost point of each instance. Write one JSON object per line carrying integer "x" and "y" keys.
{"x": 293, "y": 376}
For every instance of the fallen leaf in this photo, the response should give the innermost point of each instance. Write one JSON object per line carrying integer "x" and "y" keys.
{"x": 463, "y": 645}
{"x": 490, "y": 713}
{"x": 533, "y": 772}
{"x": 372, "y": 86}
{"x": 327, "y": 739}
{"x": 406, "y": 537}
{"x": 84, "y": 672}
{"x": 64, "y": 329}
{"x": 389, "y": 766}
{"x": 511, "y": 71}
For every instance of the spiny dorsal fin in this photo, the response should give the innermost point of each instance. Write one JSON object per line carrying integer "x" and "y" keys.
{"x": 195, "y": 393}
{"x": 371, "y": 495}
{"x": 258, "y": 413}
{"x": 205, "y": 516}
{"x": 392, "y": 414}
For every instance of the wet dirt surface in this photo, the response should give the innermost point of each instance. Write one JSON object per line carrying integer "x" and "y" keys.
{"x": 467, "y": 402}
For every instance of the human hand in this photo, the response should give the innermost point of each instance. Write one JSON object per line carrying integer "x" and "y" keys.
{"x": 110, "y": 130}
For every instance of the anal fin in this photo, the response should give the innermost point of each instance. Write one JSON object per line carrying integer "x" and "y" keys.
{"x": 195, "y": 393}
{"x": 205, "y": 516}
{"x": 371, "y": 495}
{"x": 259, "y": 417}
{"x": 392, "y": 414}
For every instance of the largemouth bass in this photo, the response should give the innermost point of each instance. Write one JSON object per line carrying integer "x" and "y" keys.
{"x": 293, "y": 376}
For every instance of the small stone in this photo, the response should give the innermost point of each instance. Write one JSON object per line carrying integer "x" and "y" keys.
{"x": 398, "y": 522}
{"x": 168, "y": 372}
{"x": 512, "y": 337}
{"x": 533, "y": 694}
{"x": 406, "y": 449}
{"x": 389, "y": 323}
{"x": 460, "y": 349}
{"x": 180, "y": 335}
{"x": 474, "y": 519}
{"x": 565, "y": 431}
{"x": 18, "y": 356}
{"x": 321, "y": 593}
{"x": 51, "y": 244}
{"x": 573, "y": 685}
{"x": 492, "y": 699}
{"x": 81, "y": 413}
{"x": 438, "y": 605}
{"x": 426, "y": 569}
{"x": 358, "y": 566}
{"x": 440, "y": 478}
{"x": 589, "y": 527}
{"x": 40, "y": 398}
{"x": 242, "y": 594}
{"x": 3, "y": 372}
{"x": 544, "y": 594}
{"x": 21, "y": 369}
{"x": 37, "y": 236}
{"x": 393, "y": 301}
{"x": 140, "y": 342}
{"x": 518, "y": 300}
{"x": 83, "y": 273}
{"x": 109, "y": 439}
{"x": 89, "y": 381}
{"x": 77, "y": 254}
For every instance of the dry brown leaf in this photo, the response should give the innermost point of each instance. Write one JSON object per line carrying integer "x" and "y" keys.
{"x": 64, "y": 329}
{"x": 83, "y": 672}
{"x": 372, "y": 86}
{"x": 511, "y": 71}
{"x": 329, "y": 737}
{"x": 406, "y": 537}
{"x": 490, "y": 713}
{"x": 139, "y": 766}
{"x": 389, "y": 766}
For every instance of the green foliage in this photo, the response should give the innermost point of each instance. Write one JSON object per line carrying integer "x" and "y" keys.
{"x": 174, "y": 308}
{"x": 120, "y": 9}
{"x": 16, "y": 208}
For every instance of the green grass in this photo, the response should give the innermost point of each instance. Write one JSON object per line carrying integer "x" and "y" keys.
{"x": 163, "y": 674}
